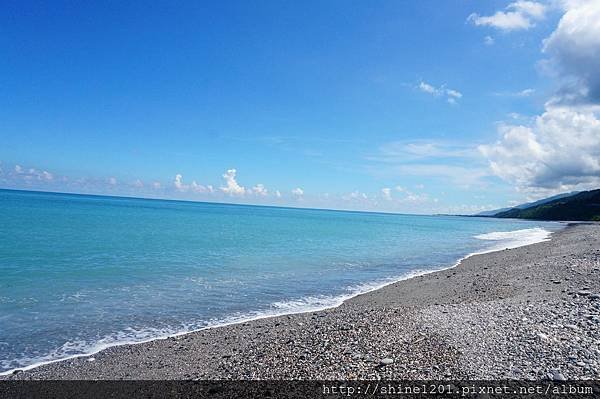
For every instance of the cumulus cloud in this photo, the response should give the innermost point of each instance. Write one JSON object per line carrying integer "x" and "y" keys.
{"x": 32, "y": 174}
{"x": 112, "y": 181}
{"x": 260, "y": 190}
{"x": 199, "y": 188}
{"x": 451, "y": 95}
{"x": 573, "y": 50}
{"x": 231, "y": 185}
{"x": 427, "y": 88}
{"x": 520, "y": 15}
{"x": 182, "y": 187}
{"x": 277, "y": 193}
{"x": 417, "y": 198}
{"x": 489, "y": 41}
{"x": 559, "y": 151}
{"x": 355, "y": 195}
{"x": 298, "y": 192}
{"x": 138, "y": 183}
{"x": 178, "y": 183}
{"x": 386, "y": 192}
{"x": 230, "y": 188}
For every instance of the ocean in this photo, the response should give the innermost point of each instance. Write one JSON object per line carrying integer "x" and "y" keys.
{"x": 80, "y": 273}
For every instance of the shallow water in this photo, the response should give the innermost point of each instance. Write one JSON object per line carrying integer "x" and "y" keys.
{"x": 79, "y": 273}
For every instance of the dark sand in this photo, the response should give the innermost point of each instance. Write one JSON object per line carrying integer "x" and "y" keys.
{"x": 531, "y": 312}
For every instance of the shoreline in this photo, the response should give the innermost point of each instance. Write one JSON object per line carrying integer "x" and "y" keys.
{"x": 372, "y": 287}
{"x": 56, "y": 369}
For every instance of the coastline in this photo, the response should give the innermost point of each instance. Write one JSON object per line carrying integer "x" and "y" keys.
{"x": 222, "y": 347}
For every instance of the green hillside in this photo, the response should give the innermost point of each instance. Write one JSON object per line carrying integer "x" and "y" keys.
{"x": 581, "y": 206}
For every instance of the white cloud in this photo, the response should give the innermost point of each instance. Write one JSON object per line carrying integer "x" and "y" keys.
{"x": 298, "y": 192}
{"x": 560, "y": 151}
{"x": 489, "y": 40}
{"x": 574, "y": 49}
{"x": 112, "y": 181}
{"x": 260, "y": 190}
{"x": 231, "y": 185}
{"x": 138, "y": 183}
{"x": 461, "y": 176}
{"x": 522, "y": 93}
{"x": 277, "y": 194}
{"x": 156, "y": 185}
{"x": 199, "y": 188}
{"x": 182, "y": 187}
{"x": 427, "y": 88}
{"x": 526, "y": 93}
{"x": 418, "y": 198}
{"x": 33, "y": 174}
{"x": 178, "y": 183}
{"x": 454, "y": 93}
{"x": 386, "y": 192}
{"x": 519, "y": 15}
{"x": 421, "y": 149}
{"x": 355, "y": 195}
{"x": 431, "y": 159}
{"x": 451, "y": 95}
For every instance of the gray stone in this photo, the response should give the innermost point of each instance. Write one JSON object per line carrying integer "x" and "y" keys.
{"x": 571, "y": 326}
{"x": 558, "y": 377}
{"x": 386, "y": 361}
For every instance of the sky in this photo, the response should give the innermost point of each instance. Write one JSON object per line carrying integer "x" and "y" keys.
{"x": 399, "y": 106}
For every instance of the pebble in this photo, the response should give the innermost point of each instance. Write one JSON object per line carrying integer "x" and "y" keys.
{"x": 542, "y": 336}
{"x": 386, "y": 361}
{"x": 571, "y": 326}
{"x": 558, "y": 377}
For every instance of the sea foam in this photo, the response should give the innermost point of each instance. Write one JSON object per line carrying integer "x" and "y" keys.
{"x": 515, "y": 238}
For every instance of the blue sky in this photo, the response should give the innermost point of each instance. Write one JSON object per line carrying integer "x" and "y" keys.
{"x": 386, "y": 105}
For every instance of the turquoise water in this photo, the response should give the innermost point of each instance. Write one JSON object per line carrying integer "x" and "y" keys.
{"x": 79, "y": 273}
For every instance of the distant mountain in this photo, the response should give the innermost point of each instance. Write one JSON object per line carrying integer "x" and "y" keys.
{"x": 581, "y": 206}
{"x": 527, "y": 205}
{"x": 492, "y": 212}
{"x": 546, "y": 200}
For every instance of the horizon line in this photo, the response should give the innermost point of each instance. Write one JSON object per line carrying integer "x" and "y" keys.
{"x": 228, "y": 203}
